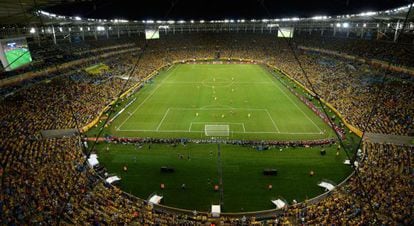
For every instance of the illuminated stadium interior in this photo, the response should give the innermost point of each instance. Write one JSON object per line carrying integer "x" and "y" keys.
{"x": 207, "y": 113}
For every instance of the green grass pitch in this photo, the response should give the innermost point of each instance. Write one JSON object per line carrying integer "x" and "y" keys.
{"x": 252, "y": 104}
{"x": 245, "y": 188}
{"x": 22, "y": 55}
{"x": 245, "y": 97}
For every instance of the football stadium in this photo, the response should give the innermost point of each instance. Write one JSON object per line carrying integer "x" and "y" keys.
{"x": 207, "y": 112}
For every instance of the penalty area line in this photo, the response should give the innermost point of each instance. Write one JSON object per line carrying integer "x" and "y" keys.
{"x": 163, "y": 118}
{"x": 235, "y": 132}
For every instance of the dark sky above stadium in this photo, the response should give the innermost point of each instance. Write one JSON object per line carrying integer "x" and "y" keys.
{"x": 218, "y": 9}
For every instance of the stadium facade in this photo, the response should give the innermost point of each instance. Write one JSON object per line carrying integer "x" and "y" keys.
{"x": 365, "y": 25}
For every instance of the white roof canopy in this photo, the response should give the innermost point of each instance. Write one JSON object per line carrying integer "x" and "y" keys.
{"x": 215, "y": 210}
{"x": 112, "y": 179}
{"x": 279, "y": 203}
{"x": 155, "y": 199}
{"x": 326, "y": 185}
{"x": 93, "y": 160}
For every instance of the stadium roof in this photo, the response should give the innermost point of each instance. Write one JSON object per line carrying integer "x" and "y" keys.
{"x": 219, "y": 9}
{"x": 22, "y": 11}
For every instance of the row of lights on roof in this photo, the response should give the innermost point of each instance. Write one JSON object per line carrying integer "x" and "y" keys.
{"x": 363, "y": 14}
{"x": 32, "y": 30}
{"x": 338, "y": 25}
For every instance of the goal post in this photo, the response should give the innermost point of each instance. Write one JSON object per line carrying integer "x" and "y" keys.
{"x": 217, "y": 130}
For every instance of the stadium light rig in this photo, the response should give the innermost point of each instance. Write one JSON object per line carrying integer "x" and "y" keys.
{"x": 32, "y": 30}
{"x": 273, "y": 25}
{"x": 320, "y": 18}
{"x": 369, "y": 13}
{"x": 119, "y": 21}
{"x": 345, "y": 16}
{"x": 163, "y": 27}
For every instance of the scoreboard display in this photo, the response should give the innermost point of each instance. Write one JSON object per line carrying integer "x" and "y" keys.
{"x": 14, "y": 53}
{"x": 285, "y": 32}
{"x": 152, "y": 34}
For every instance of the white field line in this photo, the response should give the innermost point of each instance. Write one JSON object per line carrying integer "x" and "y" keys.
{"x": 145, "y": 100}
{"x": 163, "y": 118}
{"x": 229, "y": 83}
{"x": 169, "y": 68}
{"x": 218, "y": 123}
{"x": 136, "y": 109}
{"x": 213, "y": 109}
{"x": 186, "y": 131}
{"x": 218, "y": 109}
{"x": 320, "y": 130}
{"x": 274, "y": 124}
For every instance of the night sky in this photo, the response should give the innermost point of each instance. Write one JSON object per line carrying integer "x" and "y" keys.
{"x": 219, "y": 9}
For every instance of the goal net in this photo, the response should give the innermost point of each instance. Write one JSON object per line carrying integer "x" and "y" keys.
{"x": 217, "y": 130}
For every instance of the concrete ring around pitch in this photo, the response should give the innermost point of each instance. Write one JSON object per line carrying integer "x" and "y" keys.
{"x": 217, "y": 82}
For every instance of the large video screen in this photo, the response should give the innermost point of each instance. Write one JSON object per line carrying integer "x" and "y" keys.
{"x": 14, "y": 53}
{"x": 152, "y": 34}
{"x": 285, "y": 32}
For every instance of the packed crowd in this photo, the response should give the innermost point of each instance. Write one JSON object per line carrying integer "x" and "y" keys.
{"x": 381, "y": 194}
{"x": 396, "y": 53}
{"x": 354, "y": 90}
{"x": 298, "y": 143}
{"x": 44, "y": 180}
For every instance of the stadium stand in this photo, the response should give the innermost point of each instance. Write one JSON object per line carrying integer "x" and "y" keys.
{"x": 44, "y": 181}
{"x": 33, "y": 168}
